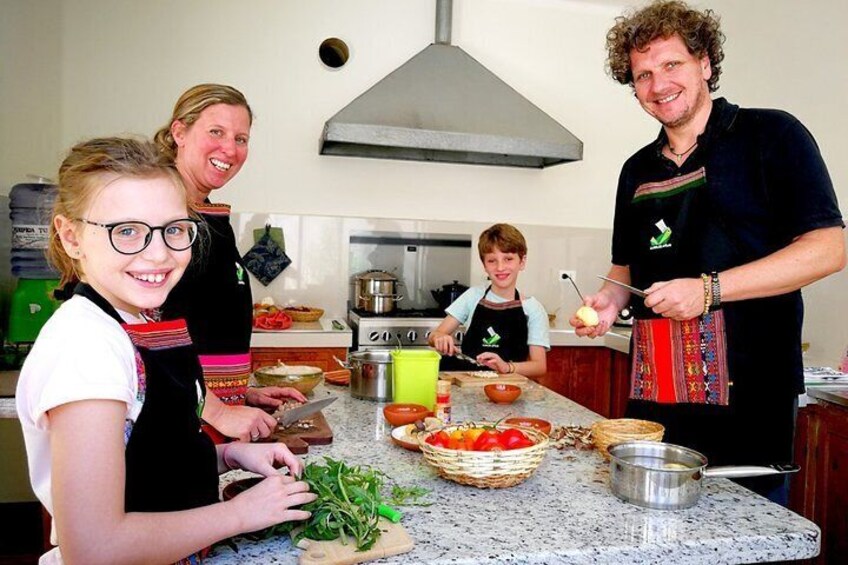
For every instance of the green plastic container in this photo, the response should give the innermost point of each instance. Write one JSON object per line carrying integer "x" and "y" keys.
{"x": 415, "y": 373}
{"x": 31, "y": 306}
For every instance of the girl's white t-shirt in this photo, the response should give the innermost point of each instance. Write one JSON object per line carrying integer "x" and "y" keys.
{"x": 81, "y": 353}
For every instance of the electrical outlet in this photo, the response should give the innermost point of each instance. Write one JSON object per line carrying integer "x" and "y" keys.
{"x": 565, "y": 274}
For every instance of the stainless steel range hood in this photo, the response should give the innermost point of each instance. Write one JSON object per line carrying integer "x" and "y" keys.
{"x": 442, "y": 105}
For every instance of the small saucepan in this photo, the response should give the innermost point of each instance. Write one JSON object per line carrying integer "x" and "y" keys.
{"x": 670, "y": 477}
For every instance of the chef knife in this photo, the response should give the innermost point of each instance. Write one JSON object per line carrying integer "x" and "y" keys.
{"x": 289, "y": 417}
{"x": 460, "y": 355}
{"x": 632, "y": 289}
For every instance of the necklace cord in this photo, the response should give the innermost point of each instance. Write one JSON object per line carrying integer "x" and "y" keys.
{"x": 680, "y": 155}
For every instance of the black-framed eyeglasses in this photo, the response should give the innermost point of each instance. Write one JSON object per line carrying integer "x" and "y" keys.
{"x": 129, "y": 238}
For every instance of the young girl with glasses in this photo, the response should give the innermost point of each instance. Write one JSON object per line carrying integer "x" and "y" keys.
{"x": 109, "y": 402}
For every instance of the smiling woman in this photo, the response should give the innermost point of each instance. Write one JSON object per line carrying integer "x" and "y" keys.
{"x": 207, "y": 138}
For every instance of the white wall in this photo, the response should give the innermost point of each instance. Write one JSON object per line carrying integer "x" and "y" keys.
{"x": 30, "y": 90}
{"x": 122, "y": 64}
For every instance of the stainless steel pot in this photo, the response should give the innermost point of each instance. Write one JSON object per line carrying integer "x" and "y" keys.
{"x": 669, "y": 477}
{"x": 370, "y": 374}
{"x": 376, "y": 291}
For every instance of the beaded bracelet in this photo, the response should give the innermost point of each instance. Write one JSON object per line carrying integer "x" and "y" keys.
{"x": 715, "y": 289}
{"x": 708, "y": 293}
{"x": 511, "y": 367}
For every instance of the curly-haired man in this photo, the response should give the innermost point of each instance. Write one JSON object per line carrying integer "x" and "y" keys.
{"x": 722, "y": 219}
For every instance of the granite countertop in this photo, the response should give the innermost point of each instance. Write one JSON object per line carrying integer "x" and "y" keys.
{"x": 564, "y": 513}
{"x": 833, "y": 394}
{"x": 617, "y": 339}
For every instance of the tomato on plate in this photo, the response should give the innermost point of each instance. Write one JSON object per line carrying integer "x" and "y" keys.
{"x": 278, "y": 320}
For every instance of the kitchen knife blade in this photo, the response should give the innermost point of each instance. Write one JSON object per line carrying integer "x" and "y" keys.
{"x": 291, "y": 416}
{"x": 460, "y": 355}
{"x": 632, "y": 289}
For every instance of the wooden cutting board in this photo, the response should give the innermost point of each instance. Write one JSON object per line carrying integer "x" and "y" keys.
{"x": 467, "y": 379}
{"x": 298, "y": 440}
{"x": 393, "y": 540}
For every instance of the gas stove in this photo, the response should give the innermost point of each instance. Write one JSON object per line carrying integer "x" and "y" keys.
{"x": 404, "y": 328}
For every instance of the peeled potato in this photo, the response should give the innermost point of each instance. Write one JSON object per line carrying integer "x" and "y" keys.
{"x": 588, "y": 316}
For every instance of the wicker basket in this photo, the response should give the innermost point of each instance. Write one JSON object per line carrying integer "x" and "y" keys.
{"x": 486, "y": 469}
{"x": 311, "y": 315}
{"x": 608, "y": 432}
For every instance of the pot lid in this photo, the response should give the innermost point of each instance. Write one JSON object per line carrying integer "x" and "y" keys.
{"x": 455, "y": 285}
{"x": 376, "y": 275}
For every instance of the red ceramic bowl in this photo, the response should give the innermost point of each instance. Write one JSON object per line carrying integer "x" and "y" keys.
{"x": 402, "y": 414}
{"x": 536, "y": 423}
{"x": 502, "y": 393}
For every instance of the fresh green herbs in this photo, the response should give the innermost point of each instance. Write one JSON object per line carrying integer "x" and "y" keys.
{"x": 408, "y": 496}
{"x": 348, "y": 503}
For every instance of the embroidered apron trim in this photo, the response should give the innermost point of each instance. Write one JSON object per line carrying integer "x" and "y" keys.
{"x": 681, "y": 362}
{"x": 159, "y": 335}
{"x": 210, "y": 209}
{"x": 501, "y": 305}
{"x": 671, "y": 186}
{"x": 227, "y": 376}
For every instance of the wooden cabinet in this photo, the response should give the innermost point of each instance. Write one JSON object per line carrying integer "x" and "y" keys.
{"x": 820, "y": 491}
{"x": 321, "y": 357}
{"x": 594, "y": 377}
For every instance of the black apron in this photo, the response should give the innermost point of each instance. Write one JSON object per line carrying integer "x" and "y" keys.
{"x": 750, "y": 427}
{"x": 497, "y": 327}
{"x": 170, "y": 463}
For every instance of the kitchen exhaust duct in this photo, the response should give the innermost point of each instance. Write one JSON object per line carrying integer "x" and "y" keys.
{"x": 442, "y": 105}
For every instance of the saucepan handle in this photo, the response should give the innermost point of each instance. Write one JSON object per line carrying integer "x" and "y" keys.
{"x": 739, "y": 471}
{"x": 342, "y": 363}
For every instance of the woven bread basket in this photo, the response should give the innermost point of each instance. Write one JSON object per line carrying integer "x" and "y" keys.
{"x": 311, "y": 315}
{"x": 608, "y": 432}
{"x": 486, "y": 469}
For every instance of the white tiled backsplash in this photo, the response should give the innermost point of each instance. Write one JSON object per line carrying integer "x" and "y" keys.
{"x": 320, "y": 251}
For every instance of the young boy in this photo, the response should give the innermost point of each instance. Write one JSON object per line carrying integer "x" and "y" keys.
{"x": 506, "y": 332}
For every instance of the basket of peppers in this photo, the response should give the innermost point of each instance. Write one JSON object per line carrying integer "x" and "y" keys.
{"x": 484, "y": 455}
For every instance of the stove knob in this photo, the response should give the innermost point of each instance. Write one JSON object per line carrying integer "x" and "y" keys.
{"x": 373, "y": 336}
{"x": 458, "y": 337}
{"x": 387, "y": 336}
{"x": 427, "y": 335}
{"x": 412, "y": 335}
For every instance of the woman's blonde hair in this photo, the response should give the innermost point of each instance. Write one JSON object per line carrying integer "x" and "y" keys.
{"x": 189, "y": 107}
{"x": 89, "y": 167}
{"x": 505, "y": 238}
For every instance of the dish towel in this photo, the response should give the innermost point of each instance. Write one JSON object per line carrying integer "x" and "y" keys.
{"x": 266, "y": 259}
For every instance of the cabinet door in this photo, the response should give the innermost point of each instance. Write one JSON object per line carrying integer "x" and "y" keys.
{"x": 321, "y": 357}
{"x": 581, "y": 374}
{"x": 832, "y": 490}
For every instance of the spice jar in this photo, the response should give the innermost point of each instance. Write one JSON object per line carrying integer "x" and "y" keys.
{"x": 443, "y": 401}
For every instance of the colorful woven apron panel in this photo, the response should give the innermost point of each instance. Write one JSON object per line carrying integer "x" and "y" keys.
{"x": 680, "y": 362}
{"x": 670, "y": 187}
{"x": 227, "y": 376}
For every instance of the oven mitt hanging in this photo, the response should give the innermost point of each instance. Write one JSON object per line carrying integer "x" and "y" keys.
{"x": 267, "y": 258}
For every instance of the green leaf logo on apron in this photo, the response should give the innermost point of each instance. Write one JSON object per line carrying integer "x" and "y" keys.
{"x": 239, "y": 273}
{"x": 662, "y": 240}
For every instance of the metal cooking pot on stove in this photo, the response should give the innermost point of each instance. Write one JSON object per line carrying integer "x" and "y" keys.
{"x": 376, "y": 291}
{"x": 670, "y": 477}
{"x": 446, "y": 295}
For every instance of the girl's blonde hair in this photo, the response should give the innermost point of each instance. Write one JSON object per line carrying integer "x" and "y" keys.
{"x": 89, "y": 167}
{"x": 189, "y": 107}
